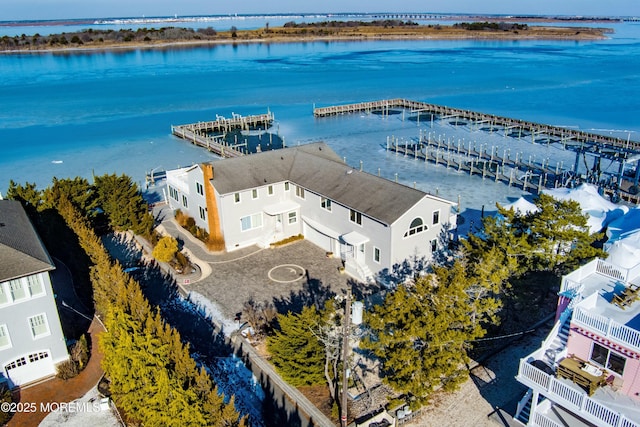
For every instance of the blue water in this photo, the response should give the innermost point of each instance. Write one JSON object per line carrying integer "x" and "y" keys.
{"x": 78, "y": 113}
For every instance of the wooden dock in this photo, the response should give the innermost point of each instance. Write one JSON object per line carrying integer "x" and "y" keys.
{"x": 211, "y": 135}
{"x": 569, "y": 136}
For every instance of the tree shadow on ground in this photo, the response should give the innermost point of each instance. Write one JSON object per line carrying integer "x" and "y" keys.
{"x": 313, "y": 292}
{"x": 161, "y": 289}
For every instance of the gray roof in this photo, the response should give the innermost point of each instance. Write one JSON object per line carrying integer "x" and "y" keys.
{"x": 319, "y": 169}
{"x": 21, "y": 251}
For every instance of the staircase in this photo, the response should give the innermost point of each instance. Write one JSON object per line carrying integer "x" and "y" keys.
{"x": 358, "y": 269}
{"x": 524, "y": 409}
{"x": 559, "y": 342}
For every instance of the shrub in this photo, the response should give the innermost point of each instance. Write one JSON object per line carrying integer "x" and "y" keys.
{"x": 166, "y": 249}
{"x": 5, "y": 396}
{"x": 80, "y": 352}
{"x": 67, "y": 369}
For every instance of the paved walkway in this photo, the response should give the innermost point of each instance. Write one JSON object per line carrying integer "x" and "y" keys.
{"x": 289, "y": 277}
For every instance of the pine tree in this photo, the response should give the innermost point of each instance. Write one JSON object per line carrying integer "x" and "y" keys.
{"x": 296, "y": 352}
{"x": 421, "y": 332}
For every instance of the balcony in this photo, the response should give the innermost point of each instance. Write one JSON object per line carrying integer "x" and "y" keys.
{"x": 574, "y": 398}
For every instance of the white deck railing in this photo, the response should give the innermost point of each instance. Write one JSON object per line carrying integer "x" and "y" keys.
{"x": 570, "y": 397}
{"x": 542, "y": 420}
{"x": 607, "y": 327}
{"x": 613, "y": 271}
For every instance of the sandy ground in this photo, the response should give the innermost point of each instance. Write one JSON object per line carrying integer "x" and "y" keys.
{"x": 492, "y": 387}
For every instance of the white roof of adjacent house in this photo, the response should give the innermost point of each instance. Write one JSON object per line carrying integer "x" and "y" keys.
{"x": 21, "y": 251}
{"x": 319, "y": 169}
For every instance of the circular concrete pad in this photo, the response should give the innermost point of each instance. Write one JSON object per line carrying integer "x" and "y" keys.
{"x": 286, "y": 273}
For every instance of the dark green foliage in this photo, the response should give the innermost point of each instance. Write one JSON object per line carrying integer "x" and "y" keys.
{"x": 296, "y": 351}
{"x": 555, "y": 238}
{"x": 122, "y": 202}
{"x": 153, "y": 378}
{"x": 421, "y": 331}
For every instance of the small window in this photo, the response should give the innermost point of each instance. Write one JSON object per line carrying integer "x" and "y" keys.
{"x": 434, "y": 245}
{"x": 35, "y": 285}
{"x": 293, "y": 217}
{"x": 436, "y": 217}
{"x": 39, "y": 326}
{"x": 286, "y": 186}
{"x": 608, "y": 359}
{"x": 417, "y": 226}
{"x": 236, "y": 197}
{"x": 4, "y": 297}
{"x": 325, "y": 203}
{"x": 376, "y": 254}
{"x": 299, "y": 191}
{"x": 202, "y": 213}
{"x": 173, "y": 193}
{"x": 17, "y": 290}
{"x": 199, "y": 188}
{"x": 16, "y": 363}
{"x": 34, "y": 357}
{"x": 270, "y": 190}
{"x": 184, "y": 201}
{"x": 5, "y": 340}
{"x": 355, "y": 216}
{"x": 254, "y": 193}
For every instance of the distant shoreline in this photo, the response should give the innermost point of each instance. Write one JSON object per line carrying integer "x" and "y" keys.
{"x": 317, "y": 32}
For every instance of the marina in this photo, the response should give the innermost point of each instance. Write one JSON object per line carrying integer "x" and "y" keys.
{"x": 212, "y": 134}
{"x": 519, "y": 171}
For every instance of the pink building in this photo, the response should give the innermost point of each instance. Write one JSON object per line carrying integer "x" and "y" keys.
{"x": 587, "y": 371}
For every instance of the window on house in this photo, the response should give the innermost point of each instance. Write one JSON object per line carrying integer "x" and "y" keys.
{"x": 293, "y": 217}
{"x": 355, "y": 216}
{"x": 251, "y": 221}
{"x": 5, "y": 340}
{"x": 173, "y": 193}
{"x": 325, "y": 203}
{"x": 376, "y": 254}
{"x": 39, "y": 326}
{"x": 286, "y": 186}
{"x": 16, "y": 363}
{"x": 607, "y": 358}
{"x": 270, "y": 190}
{"x": 236, "y": 197}
{"x": 434, "y": 245}
{"x": 436, "y": 217}
{"x": 417, "y": 226}
{"x": 34, "y": 357}
{"x": 4, "y": 297}
{"x": 254, "y": 193}
{"x": 199, "y": 188}
{"x": 35, "y": 285}
{"x": 184, "y": 201}
{"x": 299, "y": 191}
{"x": 202, "y": 213}
{"x": 17, "y": 289}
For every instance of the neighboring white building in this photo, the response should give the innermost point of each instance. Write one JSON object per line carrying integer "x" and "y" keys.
{"x": 31, "y": 338}
{"x": 370, "y": 222}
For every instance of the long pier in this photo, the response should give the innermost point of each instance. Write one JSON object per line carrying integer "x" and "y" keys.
{"x": 619, "y": 150}
{"x": 572, "y": 136}
{"x": 211, "y": 134}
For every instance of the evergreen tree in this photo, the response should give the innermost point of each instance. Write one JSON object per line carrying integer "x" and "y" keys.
{"x": 123, "y": 204}
{"x": 296, "y": 351}
{"x": 421, "y": 332}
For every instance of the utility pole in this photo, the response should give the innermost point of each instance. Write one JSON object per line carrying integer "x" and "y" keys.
{"x": 345, "y": 357}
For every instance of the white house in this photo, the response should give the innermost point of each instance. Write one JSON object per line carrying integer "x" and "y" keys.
{"x": 31, "y": 338}
{"x": 370, "y": 222}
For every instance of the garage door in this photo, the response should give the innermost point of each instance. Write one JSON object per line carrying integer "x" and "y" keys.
{"x": 30, "y": 368}
{"x": 317, "y": 238}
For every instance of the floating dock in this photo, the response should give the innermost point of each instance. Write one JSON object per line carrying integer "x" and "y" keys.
{"x": 211, "y": 135}
{"x": 524, "y": 174}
